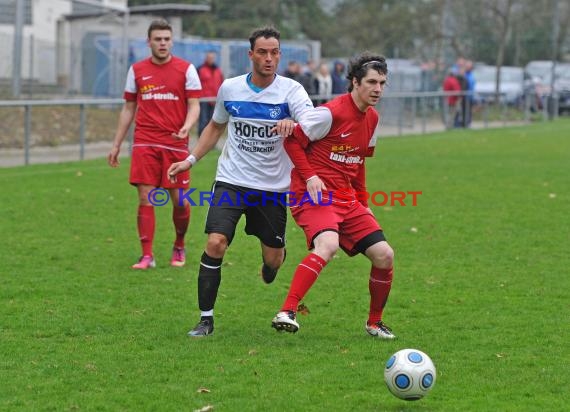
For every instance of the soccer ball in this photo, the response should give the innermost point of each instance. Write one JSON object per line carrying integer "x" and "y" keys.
{"x": 409, "y": 374}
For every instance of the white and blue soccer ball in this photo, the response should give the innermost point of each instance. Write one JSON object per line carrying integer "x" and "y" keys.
{"x": 409, "y": 374}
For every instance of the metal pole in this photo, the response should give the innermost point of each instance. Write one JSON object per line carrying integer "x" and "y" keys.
{"x": 31, "y": 68}
{"x": 17, "y": 52}
{"x": 27, "y": 132}
{"x": 423, "y": 110}
{"x": 526, "y": 115}
{"x": 400, "y": 119}
{"x": 555, "y": 29}
{"x": 125, "y": 48}
{"x": 414, "y": 112}
{"x": 446, "y": 112}
{"x": 82, "y": 119}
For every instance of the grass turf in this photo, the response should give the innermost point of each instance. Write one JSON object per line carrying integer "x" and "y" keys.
{"x": 481, "y": 285}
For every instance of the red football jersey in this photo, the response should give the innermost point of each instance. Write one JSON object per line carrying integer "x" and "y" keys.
{"x": 161, "y": 92}
{"x": 336, "y": 138}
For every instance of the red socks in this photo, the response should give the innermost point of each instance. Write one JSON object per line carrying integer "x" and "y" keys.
{"x": 379, "y": 285}
{"x": 145, "y": 225}
{"x": 180, "y": 218}
{"x": 306, "y": 274}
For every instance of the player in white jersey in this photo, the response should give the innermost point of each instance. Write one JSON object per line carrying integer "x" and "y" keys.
{"x": 253, "y": 172}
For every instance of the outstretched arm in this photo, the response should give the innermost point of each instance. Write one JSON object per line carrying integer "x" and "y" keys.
{"x": 125, "y": 119}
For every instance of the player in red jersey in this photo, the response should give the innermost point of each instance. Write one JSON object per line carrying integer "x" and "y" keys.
{"x": 328, "y": 148}
{"x": 161, "y": 95}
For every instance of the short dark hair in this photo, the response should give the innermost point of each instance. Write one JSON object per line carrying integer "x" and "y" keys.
{"x": 265, "y": 32}
{"x": 159, "y": 24}
{"x": 359, "y": 66}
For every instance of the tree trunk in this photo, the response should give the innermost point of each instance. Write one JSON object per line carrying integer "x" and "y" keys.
{"x": 504, "y": 17}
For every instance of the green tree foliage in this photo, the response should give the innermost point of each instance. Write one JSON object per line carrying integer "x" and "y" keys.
{"x": 434, "y": 30}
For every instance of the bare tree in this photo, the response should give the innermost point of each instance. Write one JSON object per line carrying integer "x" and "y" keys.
{"x": 501, "y": 11}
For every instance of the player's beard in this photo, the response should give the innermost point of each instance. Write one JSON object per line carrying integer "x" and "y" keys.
{"x": 263, "y": 71}
{"x": 161, "y": 57}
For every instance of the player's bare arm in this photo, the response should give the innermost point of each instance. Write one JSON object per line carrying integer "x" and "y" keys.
{"x": 206, "y": 142}
{"x": 125, "y": 119}
{"x": 191, "y": 119}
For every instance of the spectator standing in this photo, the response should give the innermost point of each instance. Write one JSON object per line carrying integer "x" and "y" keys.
{"x": 339, "y": 82}
{"x": 324, "y": 83}
{"x": 470, "y": 98}
{"x": 211, "y": 77}
{"x": 453, "y": 102}
{"x": 308, "y": 79}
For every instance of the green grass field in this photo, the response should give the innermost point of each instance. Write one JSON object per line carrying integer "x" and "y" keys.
{"x": 481, "y": 284}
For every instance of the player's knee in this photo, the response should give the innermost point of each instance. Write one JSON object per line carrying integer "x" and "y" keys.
{"x": 273, "y": 258}
{"x": 217, "y": 245}
{"x": 326, "y": 250}
{"x": 383, "y": 256}
{"x": 143, "y": 192}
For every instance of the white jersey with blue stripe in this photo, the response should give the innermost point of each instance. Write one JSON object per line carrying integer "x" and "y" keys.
{"x": 253, "y": 155}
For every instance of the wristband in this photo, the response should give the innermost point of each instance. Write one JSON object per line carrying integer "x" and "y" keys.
{"x": 192, "y": 160}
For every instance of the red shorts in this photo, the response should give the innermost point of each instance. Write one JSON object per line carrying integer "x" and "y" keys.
{"x": 351, "y": 221}
{"x": 149, "y": 166}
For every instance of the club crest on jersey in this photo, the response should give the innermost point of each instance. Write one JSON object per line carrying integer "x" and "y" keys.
{"x": 275, "y": 112}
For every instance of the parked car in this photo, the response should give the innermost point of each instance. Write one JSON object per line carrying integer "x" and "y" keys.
{"x": 511, "y": 87}
{"x": 538, "y": 83}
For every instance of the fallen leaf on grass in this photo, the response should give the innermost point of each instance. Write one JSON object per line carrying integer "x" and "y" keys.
{"x": 303, "y": 309}
{"x": 207, "y": 408}
{"x": 252, "y": 352}
{"x": 203, "y": 390}
{"x": 91, "y": 367}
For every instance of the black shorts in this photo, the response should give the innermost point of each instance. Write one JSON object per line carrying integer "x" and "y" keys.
{"x": 265, "y": 213}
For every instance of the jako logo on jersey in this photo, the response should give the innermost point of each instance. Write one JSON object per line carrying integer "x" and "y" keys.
{"x": 159, "y": 96}
{"x": 275, "y": 112}
{"x": 247, "y": 130}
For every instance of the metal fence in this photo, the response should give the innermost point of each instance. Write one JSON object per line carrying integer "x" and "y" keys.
{"x": 93, "y": 65}
{"x": 44, "y": 131}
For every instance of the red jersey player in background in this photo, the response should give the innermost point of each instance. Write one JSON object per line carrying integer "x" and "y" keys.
{"x": 328, "y": 148}
{"x": 161, "y": 95}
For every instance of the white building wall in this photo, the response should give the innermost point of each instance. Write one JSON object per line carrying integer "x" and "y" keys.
{"x": 40, "y": 54}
